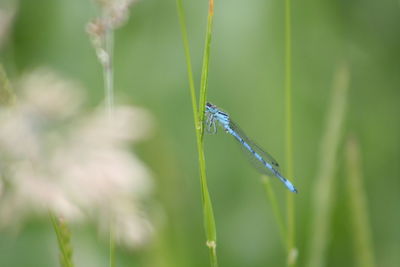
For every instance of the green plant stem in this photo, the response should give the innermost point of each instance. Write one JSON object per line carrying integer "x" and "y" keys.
{"x": 198, "y": 114}
{"x": 7, "y": 96}
{"x": 325, "y": 182}
{"x": 363, "y": 245}
{"x": 64, "y": 241}
{"x": 108, "y": 71}
{"x": 112, "y": 246}
{"x": 192, "y": 89}
{"x": 108, "y": 74}
{"x": 206, "y": 60}
{"x": 291, "y": 234}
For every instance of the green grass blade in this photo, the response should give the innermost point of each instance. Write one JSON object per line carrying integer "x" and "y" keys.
{"x": 290, "y": 207}
{"x": 192, "y": 88}
{"x": 206, "y": 60}
{"x": 64, "y": 241}
{"x": 111, "y": 252}
{"x": 198, "y": 113}
{"x": 364, "y": 251}
{"x": 325, "y": 183}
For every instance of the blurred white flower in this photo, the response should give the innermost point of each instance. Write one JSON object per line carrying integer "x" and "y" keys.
{"x": 79, "y": 166}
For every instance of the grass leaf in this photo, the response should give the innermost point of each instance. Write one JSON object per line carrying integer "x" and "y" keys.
{"x": 359, "y": 218}
{"x": 325, "y": 183}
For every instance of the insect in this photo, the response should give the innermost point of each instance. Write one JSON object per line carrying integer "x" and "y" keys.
{"x": 263, "y": 161}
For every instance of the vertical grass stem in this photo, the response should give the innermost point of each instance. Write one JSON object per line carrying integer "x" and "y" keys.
{"x": 325, "y": 183}
{"x": 291, "y": 235}
{"x": 64, "y": 241}
{"x": 198, "y": 114}
{"x": 359, "y": 218}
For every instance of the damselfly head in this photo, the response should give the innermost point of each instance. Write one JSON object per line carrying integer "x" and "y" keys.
{"x": 209, "y": 105}
{"x": 211, "y": 108}
{"x": 215, "y": 111}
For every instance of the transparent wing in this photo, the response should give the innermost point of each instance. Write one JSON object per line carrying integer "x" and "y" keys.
{"x": 209, "y": 124}
{"x": 260, "y": 159}
{"x": 257, "y": 163}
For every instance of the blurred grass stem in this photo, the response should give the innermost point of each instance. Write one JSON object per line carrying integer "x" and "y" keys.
{"x": 111, "y": 246}
{"x": 275, "y": 208}
{"x": 198, "y": 114}
{"x": 7, "y": 96}
{"x": 108, "y": 71}
{"x": 364, "y": 252}
{"x": 325, "y": 183}
{"x": 290, "y": 208}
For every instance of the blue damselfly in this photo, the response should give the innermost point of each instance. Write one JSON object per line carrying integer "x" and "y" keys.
{"x": 263, "y": 161}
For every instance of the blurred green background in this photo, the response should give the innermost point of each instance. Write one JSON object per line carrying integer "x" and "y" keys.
{"x": 247, "y": 80}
